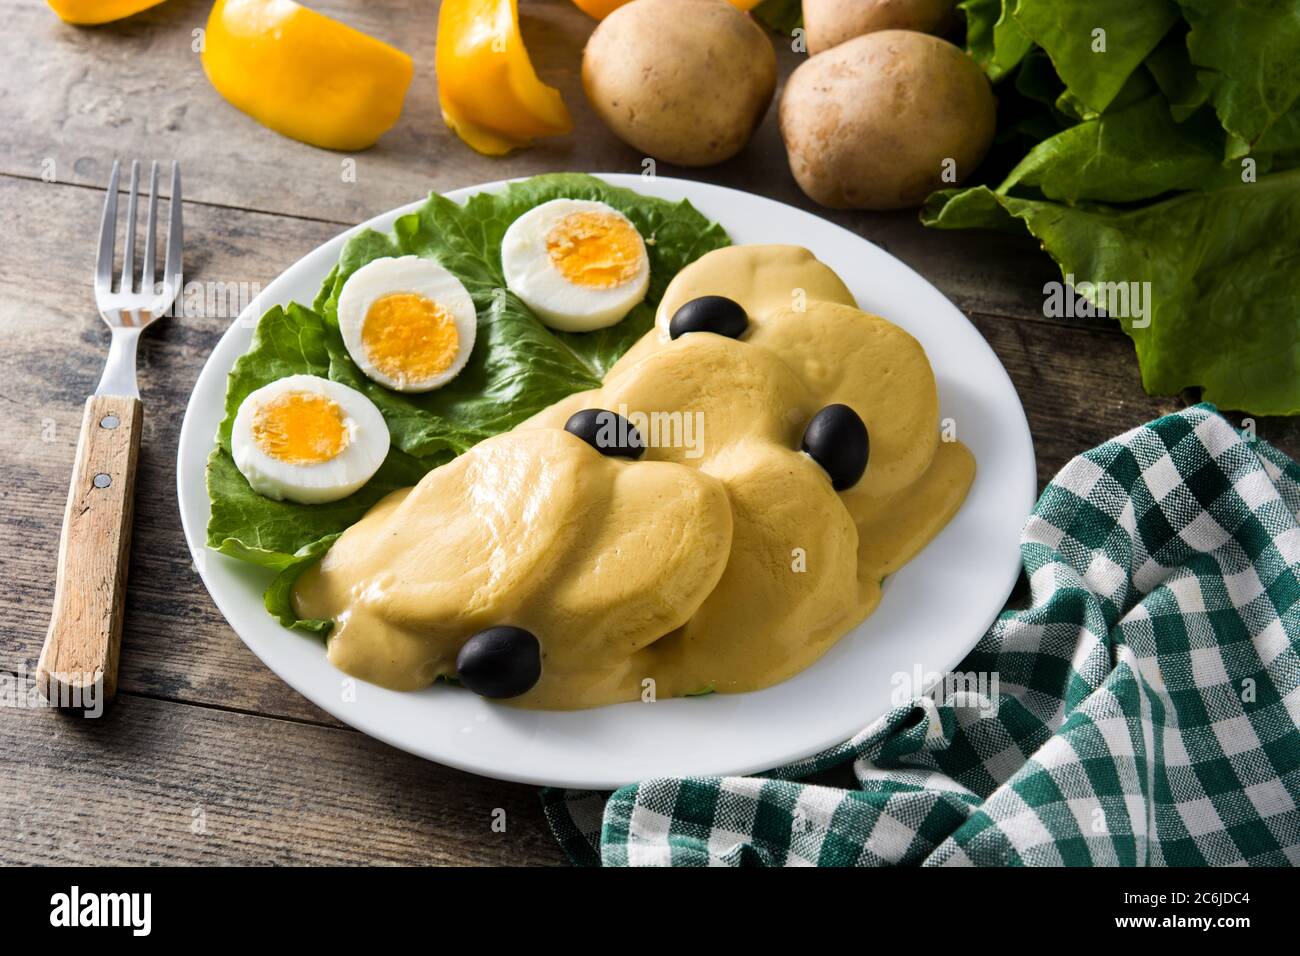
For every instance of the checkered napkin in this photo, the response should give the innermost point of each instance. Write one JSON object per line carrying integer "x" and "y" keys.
{"x": 1145, "y": 713}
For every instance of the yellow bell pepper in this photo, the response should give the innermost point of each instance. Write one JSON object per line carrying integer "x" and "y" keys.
{"x": 487, "y": 87}
{"x": 304, "y": 75}
{"x": 600, "y": 9}
{"x": 89, "y": 12}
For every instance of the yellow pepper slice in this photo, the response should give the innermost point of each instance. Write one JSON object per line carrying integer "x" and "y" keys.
{"x": 600, "y": 9}
{"x": 90, "y": 12}
{"x": 304, "y": 75}
{"x": 489, "y": 92}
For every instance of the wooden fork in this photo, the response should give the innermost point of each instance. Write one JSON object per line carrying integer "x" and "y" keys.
{"x": 80, "y": 655}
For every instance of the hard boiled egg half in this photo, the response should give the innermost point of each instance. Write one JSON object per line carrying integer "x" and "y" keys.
{"x": 579, "y": 264}
{"x": 407, "y": 322}
{"x": 307, "y": 439}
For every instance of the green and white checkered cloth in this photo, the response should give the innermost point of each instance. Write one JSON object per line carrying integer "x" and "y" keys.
{"x": 1146, "y": 712}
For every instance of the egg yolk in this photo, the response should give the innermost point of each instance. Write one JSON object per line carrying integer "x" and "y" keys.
{"x": 409, "y": 337}
{"x": 595, "y": 249}
{"x": 300, "y": 428}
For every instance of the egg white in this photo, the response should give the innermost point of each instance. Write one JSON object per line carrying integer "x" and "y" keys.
{"x": 320, "y": 482}
{"x": 422, "y": 277}
{"x": 559, "y": 303}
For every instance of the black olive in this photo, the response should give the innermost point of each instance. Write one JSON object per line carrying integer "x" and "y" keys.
{"x": 837, "y": 440}
{"x": 607, "y": 432}
{"x": 710, "y": 313}
{"x": 500, "y": 662}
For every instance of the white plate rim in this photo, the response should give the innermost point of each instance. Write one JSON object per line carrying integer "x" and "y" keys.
{"x": 552, "y": 748}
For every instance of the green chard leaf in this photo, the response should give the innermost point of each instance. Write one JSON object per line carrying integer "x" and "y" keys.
{"x": 518, "y": 367}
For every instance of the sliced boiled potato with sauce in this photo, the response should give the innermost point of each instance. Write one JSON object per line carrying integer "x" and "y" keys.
{"x": 535, "y": 529}
{"x": 879, "y": 370}
{"x": 761, "y": 278}
{"x": 724, "y": 559}
{"x": 791, "y": 575}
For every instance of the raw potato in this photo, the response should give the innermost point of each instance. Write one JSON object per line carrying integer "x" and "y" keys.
{"x": 684, "y": 81}
{"x": 829, "y": 23}
{"x": 872, "y": 123}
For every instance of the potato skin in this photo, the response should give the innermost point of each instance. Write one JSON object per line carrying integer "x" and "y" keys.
{"x": 684, "y": 81}
{"x": 868, "y": 123}
{"x": 830, "y": 22}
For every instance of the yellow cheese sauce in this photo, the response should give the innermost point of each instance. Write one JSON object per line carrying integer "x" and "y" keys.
{"x": 722, "y": 560}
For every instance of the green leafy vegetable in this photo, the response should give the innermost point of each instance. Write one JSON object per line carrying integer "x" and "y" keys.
{"x": 780, "y": 16}
{"x": 278, "y": 597}
{"x": 518, "y": 366}
{"x": 1126, "y": 155}
{"x": 1097, "y": 45}
{"x": 1150, "y": 126}
{"x": 1185, "y": 87}
{"x": 246, "y": 525}
{"x": 521, "y": 366}
{"x": 1212, "y": 316}
{"x": 1252, "y": 49}
{"x": 993, "y": 37}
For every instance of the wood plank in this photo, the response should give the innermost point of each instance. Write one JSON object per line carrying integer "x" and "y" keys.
{"x": 87, "y": 99}
{"x": 165, "y": 783}
{"x": 175, "y": 643}
{"x": 1079, "y": 387}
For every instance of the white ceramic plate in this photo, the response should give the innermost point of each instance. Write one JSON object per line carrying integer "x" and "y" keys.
{"x": 933, "y": 610}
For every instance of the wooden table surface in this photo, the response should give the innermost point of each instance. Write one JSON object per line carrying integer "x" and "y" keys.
{"x": 206, "y": 756}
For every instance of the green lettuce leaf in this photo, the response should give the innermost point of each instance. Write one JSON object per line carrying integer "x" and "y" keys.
{"x": 279, "y": 595}
{"x": 287, "y": 341}
{"x": 1125, "y": 155}
{"x": 253, "y": 528}
{"x": 1222, "y": 273}
{"x": 518, "y": 366}
{"x": 1252, "y": 49}
{"x": 1093, "y": 78}
{"x": 1145, "y": 162}
{"x": 780, "y": 16}
{"x": 1186, "y": 87}
{"x": 993, "y": 37}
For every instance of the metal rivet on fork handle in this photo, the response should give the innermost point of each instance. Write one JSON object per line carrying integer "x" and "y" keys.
{"x": 102, "y": 480}
{"x": 109, "y": 421}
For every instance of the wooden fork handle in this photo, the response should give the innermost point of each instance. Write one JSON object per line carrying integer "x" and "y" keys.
{"x": 81, "y": 647}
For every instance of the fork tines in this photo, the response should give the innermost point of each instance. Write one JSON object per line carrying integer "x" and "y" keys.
{"x": 110, "y": 298}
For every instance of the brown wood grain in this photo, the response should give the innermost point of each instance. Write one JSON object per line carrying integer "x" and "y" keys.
{"x": 80, "y": 653}
{"x": 161, "y": 782}
{"x": 199, "y": 722}
{"x": 173, "y": 645}
{"x": 86, "y": 100}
